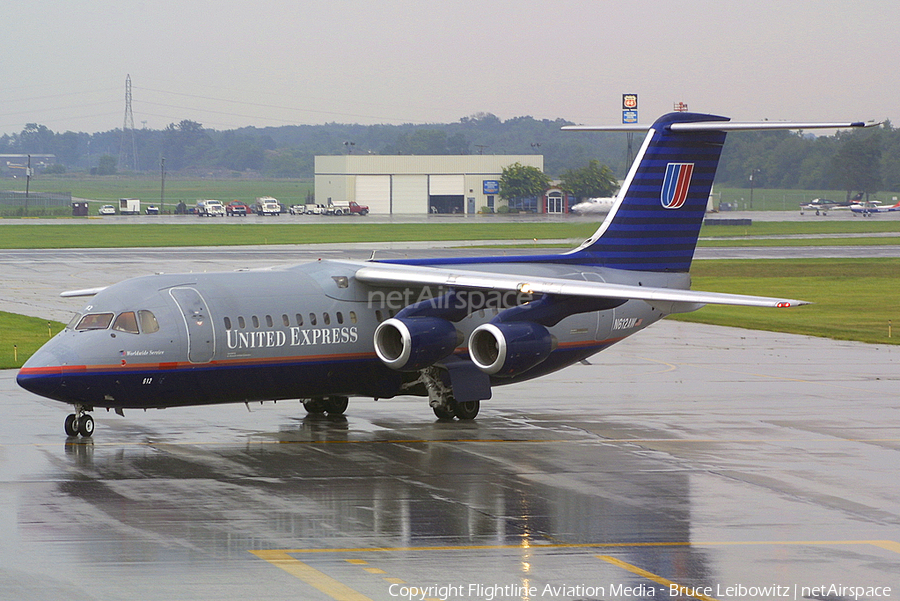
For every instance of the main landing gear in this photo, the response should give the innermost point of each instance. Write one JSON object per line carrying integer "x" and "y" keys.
{"x": 332, "y": 405}
{"x": 441, "y": 399}
{"x": 451, "y": 409}
{"x": 80, "y": 423}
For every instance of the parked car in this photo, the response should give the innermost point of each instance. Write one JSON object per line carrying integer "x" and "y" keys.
{"x": 107, "y": 210}
{"x": 316, "y": 209}
{"x": 236, "y": 208}
{"x": 298, "y": 210}
{"x": 210, "y": 208}
{"x": 152, "y": 210}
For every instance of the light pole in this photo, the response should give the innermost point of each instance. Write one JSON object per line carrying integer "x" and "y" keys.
{"x": 162, "y": 184}
{"x": 27, "y": 183}
{"x": 752, "y": 173}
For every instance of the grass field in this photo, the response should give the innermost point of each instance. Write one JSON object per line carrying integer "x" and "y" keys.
{"x": 808, "y": 228}
{"x": 106, "y": 189}
{"x": 769, "y": 199}
{"x": 248, "y": 232}
{"x": 217, "y": 233}
{"x": 21, "y": 336}
{"x": 855, "y": 299}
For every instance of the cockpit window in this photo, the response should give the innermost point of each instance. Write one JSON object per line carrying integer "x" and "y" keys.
{"x": 148, "y": 322}
{"x": 74, "y": 321}
{"x": 94, "y": 321}
{"x": 126, "y": 322}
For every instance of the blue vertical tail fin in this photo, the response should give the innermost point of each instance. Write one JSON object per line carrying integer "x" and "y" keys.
{"x": 655, "y": 222}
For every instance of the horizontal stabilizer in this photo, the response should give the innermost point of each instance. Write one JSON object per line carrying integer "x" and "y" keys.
{"x": 726, "y": 126}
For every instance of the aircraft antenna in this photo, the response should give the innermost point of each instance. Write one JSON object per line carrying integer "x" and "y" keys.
{"x": 127, "y": 145}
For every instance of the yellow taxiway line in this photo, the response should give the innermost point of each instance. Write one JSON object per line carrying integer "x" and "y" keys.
{"x": 282, "y": 558}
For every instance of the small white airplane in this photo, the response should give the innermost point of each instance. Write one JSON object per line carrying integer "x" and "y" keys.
{"x": 871, "y": 207}
{"x": 447, "y": 329}
{"x": 594, "y": 206}
{"x": 822, "y": 205}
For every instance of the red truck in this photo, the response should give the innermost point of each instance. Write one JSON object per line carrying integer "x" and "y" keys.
{"x": 347, "y": 208}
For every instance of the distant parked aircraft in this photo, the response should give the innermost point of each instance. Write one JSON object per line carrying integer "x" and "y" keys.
{"x": 594, "y": 206}
{"x": 867, "y": 208}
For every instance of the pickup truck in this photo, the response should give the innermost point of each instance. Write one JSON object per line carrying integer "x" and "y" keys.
{"x": 236, "y": 208}
{"x": 210, "y": 208}
{"x": 347, "y": 208}
{"x": 266, "y": 205}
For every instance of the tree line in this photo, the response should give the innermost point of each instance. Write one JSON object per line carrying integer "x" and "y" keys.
{"x": 854, "y": 160}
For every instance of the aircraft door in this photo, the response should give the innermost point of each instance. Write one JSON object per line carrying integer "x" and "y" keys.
{"x": 201, "y": 336}
{"x": 604, "y": 318}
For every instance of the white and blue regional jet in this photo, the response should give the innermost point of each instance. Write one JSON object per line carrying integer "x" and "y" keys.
{"x": 445, "y": 329}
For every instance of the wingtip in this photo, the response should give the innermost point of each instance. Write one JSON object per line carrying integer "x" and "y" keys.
{"x": 82, "y": 292}
{"x": 784, "y": 304}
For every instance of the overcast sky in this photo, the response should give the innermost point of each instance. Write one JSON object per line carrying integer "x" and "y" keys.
{"x": 234, "y": 63}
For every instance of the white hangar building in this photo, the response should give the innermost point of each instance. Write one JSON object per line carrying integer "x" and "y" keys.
{"x": 416, "y": 184}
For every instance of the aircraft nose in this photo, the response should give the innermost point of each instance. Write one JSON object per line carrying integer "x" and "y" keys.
{"x": 42, "y": 373}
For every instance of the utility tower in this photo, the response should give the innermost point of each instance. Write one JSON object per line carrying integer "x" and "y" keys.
{"x": 127, "y": 145}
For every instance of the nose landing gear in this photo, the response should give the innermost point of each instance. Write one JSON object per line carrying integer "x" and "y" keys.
{"x": 80, "y": 423}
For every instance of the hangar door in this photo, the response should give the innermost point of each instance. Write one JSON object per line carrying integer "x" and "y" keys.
{"x": 445, "y": 193}
{"x": 410, "y": 194}
{"x": 374, "y": 191}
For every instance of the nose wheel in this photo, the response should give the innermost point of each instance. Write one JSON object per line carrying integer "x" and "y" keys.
{"x": 79, "y": 423}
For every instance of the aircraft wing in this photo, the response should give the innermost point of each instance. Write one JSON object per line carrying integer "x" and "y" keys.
{"x": 389, "y": 274}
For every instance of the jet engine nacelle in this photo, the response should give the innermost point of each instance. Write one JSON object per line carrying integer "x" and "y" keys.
{"x": 413, "y": 343}
{"x": 507, "y": 349}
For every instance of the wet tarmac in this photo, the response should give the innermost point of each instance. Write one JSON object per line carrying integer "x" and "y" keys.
{"x": 689, "y": 461}
{"x": 725, "y": 463}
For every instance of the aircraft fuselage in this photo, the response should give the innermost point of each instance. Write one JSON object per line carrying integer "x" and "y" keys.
{"x": 299, "y": 332}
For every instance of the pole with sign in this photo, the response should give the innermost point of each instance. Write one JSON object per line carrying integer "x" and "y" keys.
{"x": 630, "y": 116}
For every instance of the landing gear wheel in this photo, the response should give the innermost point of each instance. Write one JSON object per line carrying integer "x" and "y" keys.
{"x": 467, "y": 410}
{"x": 86, "y": 426}
{"x": 71, "y": 425}
{"x": 445, "y": 412}
{"x": 314, "y": 406}
{"x": 335, "y": 405}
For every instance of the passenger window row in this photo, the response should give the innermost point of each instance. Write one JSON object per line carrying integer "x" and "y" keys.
{"x": 312, "y": 320}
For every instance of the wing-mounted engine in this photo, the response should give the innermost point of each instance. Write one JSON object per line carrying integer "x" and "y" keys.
{"x": 413, "y": 343}
{"x": 422, "y": 333}
{"x": 518, "y": 338}
{"x": 507, "y": 349}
